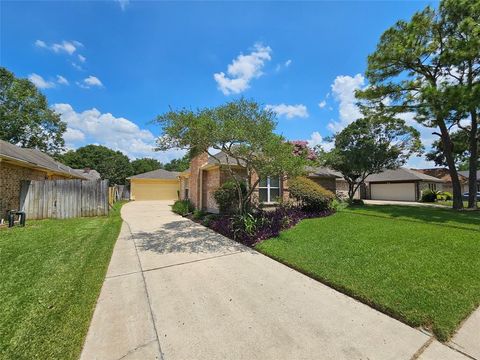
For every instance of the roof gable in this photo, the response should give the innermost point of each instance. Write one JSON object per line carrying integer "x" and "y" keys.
{"x": 401, "y": 174}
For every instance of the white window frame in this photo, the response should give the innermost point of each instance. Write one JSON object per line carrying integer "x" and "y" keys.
{"x": 432, "y": 186}
{"x": 268, "y": 188}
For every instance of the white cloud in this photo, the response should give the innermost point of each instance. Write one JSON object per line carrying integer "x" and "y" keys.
{"x": 285, "y": 65}
{"x": 242, "y": 70}
{"x": 72, "y": 136}
{"x": 90, "y": 81}
{"x": 40, "y": 82}
{"x": 123, "y": 4}
{"x": 289, "y": 111}
{"x": 61, "y": 80}
{"x": 317, "y": 139}
{"x": 40, "y": 44}
{"x": 66, "y": 46}
{"x": 322, "y": 104}
{"x": 93, "y": 127}
{"x": 343, "y": 90}
{"x": 81, "y": 58}
{"x": 76, "y": 66}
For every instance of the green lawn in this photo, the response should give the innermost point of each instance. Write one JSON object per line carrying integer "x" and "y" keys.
{"x": 420, "y": 265}
{"x": 51, "y": 275}
{"x": 449, "y": 203}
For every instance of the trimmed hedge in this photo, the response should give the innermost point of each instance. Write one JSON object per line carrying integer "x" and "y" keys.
{"x": 309, "y": 194}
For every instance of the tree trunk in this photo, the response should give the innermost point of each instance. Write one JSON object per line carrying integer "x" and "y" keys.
{"x": 473, "y": 162}
{"x": 447, "y": 149}
{"x": 351, "y": 191}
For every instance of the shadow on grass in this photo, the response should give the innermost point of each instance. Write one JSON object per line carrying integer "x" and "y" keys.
{"x": 468, "y": 220}
{"x": 186, "y": 237}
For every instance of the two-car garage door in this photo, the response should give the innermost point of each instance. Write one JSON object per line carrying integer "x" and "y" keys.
{"x": 393, "y": 191}
{"x": 154, "y": 189}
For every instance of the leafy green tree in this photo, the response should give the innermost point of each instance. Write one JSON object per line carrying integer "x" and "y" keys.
{"x": 25, "y": 116}
{"x": 243, "y": 131}
{"x": 408, "y": 73}
{"x": 111, "y": 164}
{"x": 140, "y": 166}
{"x": 461, "y": 20}
{"x": 370, "y": 145}
{"x": 461, "y": 147}
{"x": 179, "y": 165}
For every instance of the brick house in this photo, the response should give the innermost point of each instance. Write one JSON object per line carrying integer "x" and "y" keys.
{"x": 444, "y": 174}
{"x": 17, "y": 164}
{"x": 206, "y": 174}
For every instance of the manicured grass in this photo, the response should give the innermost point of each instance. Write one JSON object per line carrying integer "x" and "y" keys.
{"x": 449, "y": 203}
{"x": 420, "y": 265}
{"x": 51, "y": 275}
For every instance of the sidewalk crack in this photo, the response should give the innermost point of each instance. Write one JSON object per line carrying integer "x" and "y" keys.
{"x": 135, "y": 349}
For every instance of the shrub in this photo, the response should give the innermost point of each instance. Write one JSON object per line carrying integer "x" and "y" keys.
{"x": 429, "y": 195}
{"x": 198, "y": 214}
{"x": 226, "y": 197}
{"x": 208, "y": 219}
{"x": 182, "y": 207}
{"x": 338, "y": 204}
{"x": 444, "y": 195}
{"x": 310, "y": 195}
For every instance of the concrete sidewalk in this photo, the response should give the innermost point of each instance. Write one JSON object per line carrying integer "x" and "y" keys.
{"x": 403, "y": 203}
{"x": 176, "y": 290}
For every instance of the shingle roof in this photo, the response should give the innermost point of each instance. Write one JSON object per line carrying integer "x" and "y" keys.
{"x": 401, "y": 174}
{"x": 466, "y": 174}
{"x": 157, "y": 174}
{"x": 35, "y": 158}
{"x": 323, "y": 172}
{"x": 90, "y": 174}
{"x": 442, "y": 173}
{"x": 220, "y": 158}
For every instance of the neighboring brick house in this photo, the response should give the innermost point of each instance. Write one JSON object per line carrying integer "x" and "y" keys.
{"x": 444, "y": 174}
{"x": 206, "y": 174}
{"x": 17, "y": 164}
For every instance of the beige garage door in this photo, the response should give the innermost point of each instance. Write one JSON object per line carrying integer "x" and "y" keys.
{"x": 154, "y": 190}
{"x": 401, "y": 192}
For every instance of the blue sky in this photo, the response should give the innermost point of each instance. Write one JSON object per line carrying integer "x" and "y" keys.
{"x": 110, "y": 67}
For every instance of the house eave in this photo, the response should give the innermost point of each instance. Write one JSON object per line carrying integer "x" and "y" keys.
{"x": 27, "y": 164}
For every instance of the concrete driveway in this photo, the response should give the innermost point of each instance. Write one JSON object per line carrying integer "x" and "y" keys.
{"x": 176, "y": 290}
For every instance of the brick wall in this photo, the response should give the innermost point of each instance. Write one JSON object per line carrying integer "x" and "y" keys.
{"x": 194, "y": 179}
{"x": 210, "y": 183}
{"x": 10, "y": 177}
{"x": 184, "y": 185}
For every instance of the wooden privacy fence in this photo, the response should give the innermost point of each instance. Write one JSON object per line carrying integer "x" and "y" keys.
{"x": 63, "y": 199}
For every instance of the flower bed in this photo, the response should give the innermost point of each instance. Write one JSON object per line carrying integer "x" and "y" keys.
{"x": 268, "y": 224}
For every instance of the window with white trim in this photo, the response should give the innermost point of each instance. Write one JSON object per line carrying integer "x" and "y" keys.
{"x": 269, "y": 189}
{"x": 432, "y": 186}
